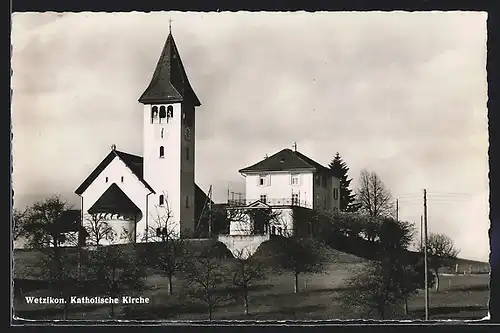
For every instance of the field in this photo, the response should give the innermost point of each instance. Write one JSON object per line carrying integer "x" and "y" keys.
{"x": 461, "y": 296}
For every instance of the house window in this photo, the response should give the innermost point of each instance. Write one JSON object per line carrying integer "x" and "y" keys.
{"x": 262, "y": 180}
{"x": 263, "y": 198}
{"x": 335, "y": 194}
{"x": 107, "y": 179}
{"x": 163, "y": 114}
{"x": 122, "y": 179}
{"x": 295, "y": 179}
{"x": 161, "y": 200}
{"x": 318, "y": 180}
{"x": 162, "y": 152}
{"x": 187, "y": 202}
{"x": 295, "y": 199}
{"x": 317, "y": 200}
{"x": 187, "y": 153}
{"x": 170, "y": 112}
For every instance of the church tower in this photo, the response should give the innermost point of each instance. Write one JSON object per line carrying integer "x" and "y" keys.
{"x": 169, "y": 145}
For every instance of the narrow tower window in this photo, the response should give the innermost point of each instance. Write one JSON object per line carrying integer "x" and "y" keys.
{"x": 187, "y": 202}
{"x": 122, "y": 179}
{"x": 170, "y": 111}
{"x": 162, "y": 113}
{"x": 187, "y": 153}
{"x": 162, "y": 200}
{"x": 162, "y": 152}
{"x": 161, "y": 134}
{"x": 154, "y": 113}
{"x": 106, "y": 179}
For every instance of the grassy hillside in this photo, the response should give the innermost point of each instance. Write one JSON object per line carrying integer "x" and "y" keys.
{"x": 460, "y": 297}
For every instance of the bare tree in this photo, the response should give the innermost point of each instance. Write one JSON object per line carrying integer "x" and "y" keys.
{"x": 301, "y": 255}
{"x": 370, "y": 226}
{"x": 373, "y": 195}
{"x": 372, "y": 291}
{"x": 247, "y": 270}
{"x": 18, "y": 223}
{"x": 390, "y": 279}
{"x": 255, "y": 221}
{"x": 98, "y": 229}
{"x": 205, "y": 276}
{"x": 46, "y": 230}
{"x": 168, "y": 259}
{"x": 113, "y": 271}
{"x": 261, "y": 219}
{"x": 440, "y": 249}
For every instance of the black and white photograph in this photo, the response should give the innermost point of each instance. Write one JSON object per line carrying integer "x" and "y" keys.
{"x": 250, "y": 166}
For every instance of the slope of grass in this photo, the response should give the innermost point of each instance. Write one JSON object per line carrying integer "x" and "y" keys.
{"x": 460, "y": 297}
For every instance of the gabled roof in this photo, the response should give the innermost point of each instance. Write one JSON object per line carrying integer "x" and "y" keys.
{"x": 133, "y": 162}
{"x": 169, "y": 83}
{"x": 258, "y": 204}
{"x": 114, "y": 200}
{"x": 285, "y": 160}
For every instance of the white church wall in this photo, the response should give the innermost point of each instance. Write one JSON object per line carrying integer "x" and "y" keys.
{"x": 130, "y": 185}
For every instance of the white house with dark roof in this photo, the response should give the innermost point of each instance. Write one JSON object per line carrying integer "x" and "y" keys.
{"x": 288, "y": 182}
{"x": 134, "y": 193}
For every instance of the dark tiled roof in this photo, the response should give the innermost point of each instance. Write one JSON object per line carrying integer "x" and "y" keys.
{"x": 114, "y": 200}
{"x": 133, "y": 162}
{"x": 285, "y": 160}
{"x": 169, "y": 83}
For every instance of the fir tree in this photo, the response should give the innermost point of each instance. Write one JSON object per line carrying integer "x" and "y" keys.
{"x": 347, "y": 198}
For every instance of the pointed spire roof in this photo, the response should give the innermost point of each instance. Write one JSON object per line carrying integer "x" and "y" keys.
{"x": 169, "y": 83}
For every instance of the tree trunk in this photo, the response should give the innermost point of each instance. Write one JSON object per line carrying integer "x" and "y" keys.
{"x": 112, "y": 313}
{"x": 170, "y": 285}
{"x": 210, "y": 312}
{"x": 245, "y": 300}
{"x": 296, "y": 285}
{"x": 65, "y": 309}
{"x": 437, "y": 279}
{"x": 406, "y": 305}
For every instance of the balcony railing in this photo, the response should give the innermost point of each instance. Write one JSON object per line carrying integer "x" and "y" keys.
{"x": 270, "y": 202}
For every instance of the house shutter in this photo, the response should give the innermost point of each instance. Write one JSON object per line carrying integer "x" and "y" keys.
{"x": 268, "y": 180}
{"x": 290, "y": 180}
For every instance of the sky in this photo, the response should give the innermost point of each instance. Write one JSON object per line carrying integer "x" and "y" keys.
{"x": 400, "y": 94}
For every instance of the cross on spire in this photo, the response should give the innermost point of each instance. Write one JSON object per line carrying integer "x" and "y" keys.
{"x": 170, "y": 25}
{"x": 295, "y": 146}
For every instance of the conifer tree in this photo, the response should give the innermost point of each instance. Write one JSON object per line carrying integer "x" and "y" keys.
{"x": 347, "y": 198}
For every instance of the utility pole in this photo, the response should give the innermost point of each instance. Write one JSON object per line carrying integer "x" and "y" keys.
{"x": 421, "y": 231}
{"x": 397, "y": 210}
{"x": 210, "y": 212}
{"x": 426, "y": 259}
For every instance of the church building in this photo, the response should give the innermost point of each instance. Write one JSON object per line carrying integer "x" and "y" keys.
{"x": 137, "y": 195}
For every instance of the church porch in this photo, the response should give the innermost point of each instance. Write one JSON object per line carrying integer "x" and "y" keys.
{"x": 112, "y": 219}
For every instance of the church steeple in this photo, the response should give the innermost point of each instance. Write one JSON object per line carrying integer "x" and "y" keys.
{"x": 169, "y": 83}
